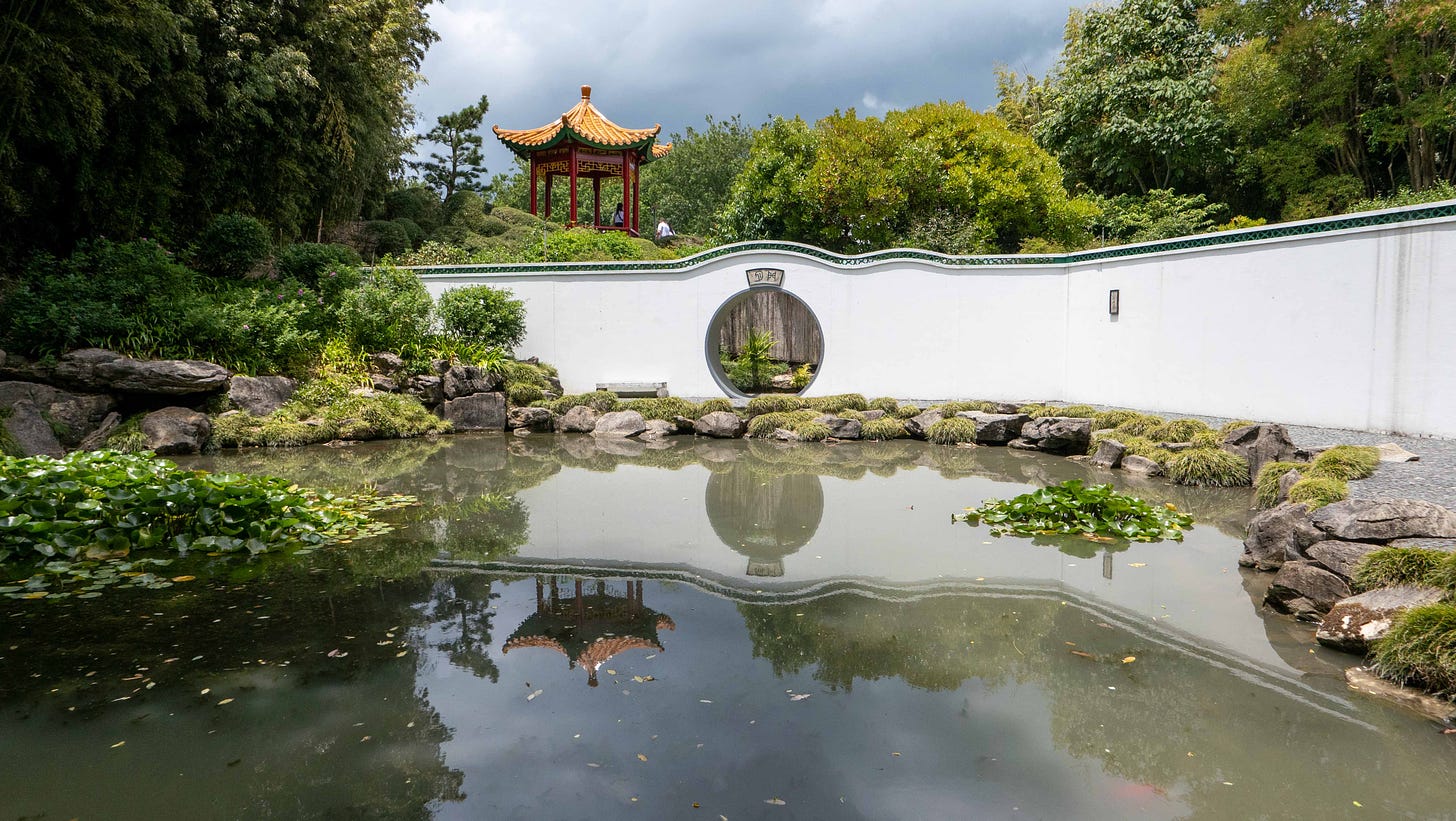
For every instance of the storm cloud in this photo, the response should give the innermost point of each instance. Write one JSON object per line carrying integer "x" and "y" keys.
{"x": 654, "y": 61}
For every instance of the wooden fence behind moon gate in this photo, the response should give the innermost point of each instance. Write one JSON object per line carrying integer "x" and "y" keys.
{"x": 796, "y": 333}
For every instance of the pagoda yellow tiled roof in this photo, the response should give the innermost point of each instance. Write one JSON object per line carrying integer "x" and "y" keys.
{"x": 587, "y": 125}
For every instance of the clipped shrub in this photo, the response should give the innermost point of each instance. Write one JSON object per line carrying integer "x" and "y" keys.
{"x": 907, "y": 411}
{"x": 888, "y": 404}
{"x": 412, "y": 231}
{"x": 307, "y": 261}
{"x": 708, "y": 406}
{"x": 1347, "y": 462}
{"x": 1318, "y": 491}
{"x": 1178, "y": 430}
{"x": 1390, "y": 566}
{"x": 952, "y": 430}
{"x": 1104, "y": 420}
{"x": 1266, "y": 484}
{"x": 490, "y": 315}
{"x": 384, "y": 238}
{"x": 883, "y": 429}
{"x": 774, "y": 403}
{"x": 838, "y": 402}
{"x": 1420, "y": 648}
{"x": 231, "y": 246}
{"x": 417, "y": 203}
{"x": 1207, "y": 467}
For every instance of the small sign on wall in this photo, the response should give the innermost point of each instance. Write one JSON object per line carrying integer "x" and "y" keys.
{"x": 765, "y": 276}
{"x": 1114, "y": 300}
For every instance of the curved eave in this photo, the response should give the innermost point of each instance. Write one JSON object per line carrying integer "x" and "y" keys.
{"x": 645, "y": 148}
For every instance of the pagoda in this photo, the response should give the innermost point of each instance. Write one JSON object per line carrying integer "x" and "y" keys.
{"x": 585, "y": 144}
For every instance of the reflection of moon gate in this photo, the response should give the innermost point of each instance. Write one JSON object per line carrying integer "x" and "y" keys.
{"x": 763, "y": 516}
{"x": 589, "y": 629}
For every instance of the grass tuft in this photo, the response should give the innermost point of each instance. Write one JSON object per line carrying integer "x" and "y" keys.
{"x": 1266, "y": 485}
{"x": 951, "y": 430}
{"x": 838, "y": 402}
{"x": 1347, "y": 462}
{"x": 1318, "y": 491}
{"x": 1178, "y": 430}
{"x": 848, "y": 413}
{"x": 1421, "y": 648}
{"x": 1235, "y": 424}
{"x": 888, "y": 404}
{"x": 907, "y": 412}
{"x": 812, "y": 431}
{"x": 1078, "y": 412}
{"x": 1390, "y": 566}
{"x": 1112, "y": 418}
{"x": 1140, "y": 425}
{"x": 774, "y": 403}
{"x": 599, "y": 401}
{"x": 1207, "y": 467}
{"x": 952, "y": 408}
{"x": 883, "y": 429}
{"x": 708, "y": 406}
{"x": 664, "y": 408}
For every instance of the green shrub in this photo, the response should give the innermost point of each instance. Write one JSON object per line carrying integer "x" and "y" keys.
{"x": 952, "y": 430}
{"x": 1178, "y": 430}
{"x": 381, "y": 238}
{"x": 308, "y": 261}
{"x": 1318, "y": 491}
{"x": 708, "y": 406}
{"x": 888, "y": 404}
{"x": 1072, "y": 508}
{"x": 231, "y": 246}
{"x": 908, "y": 412}
{"x": 521, "y": 395}
{"x": 1078, "y": 411}
{"x": 480, "y": 312}
{"x": 417, "y": 203}
{"x": 1347, "y": 462}
{"x": 412, "y": 231}
{"x": 1391, "y": 566}
{"x": 1420, "y": 648}
{"x": 1104, "y": 420}
{"x": 812, "y": 431}
{"x": 390, "y": 311}
{"x": 803, "y": 375}
{"x": 1266, "y": 484}
{"x": 1207, "y": 439}
{"x": 1207, "y": 467}
{"x": 321, "y": 416}
{"x": 838, "y": 402}
{"x": 883, "y": 429}
{"x": 774, "y": 402}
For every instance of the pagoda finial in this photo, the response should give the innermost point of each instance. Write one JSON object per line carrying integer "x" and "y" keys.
{"x": 586, "y": 93}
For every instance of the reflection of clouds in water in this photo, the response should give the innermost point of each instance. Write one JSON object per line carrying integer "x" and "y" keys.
{"x": 762, "y": 515}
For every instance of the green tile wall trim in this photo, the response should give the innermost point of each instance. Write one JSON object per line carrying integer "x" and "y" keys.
{"x": 1401, "y": 216}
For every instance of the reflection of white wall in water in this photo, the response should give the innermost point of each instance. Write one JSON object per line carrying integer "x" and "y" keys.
{"x": 1343, "y": 328}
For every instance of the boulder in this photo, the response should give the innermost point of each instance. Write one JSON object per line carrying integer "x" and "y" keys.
{"x": 873, "y": 413}
{"x": 1301, "y": 579}
{"x": 1286, "y": 482}
{"x": 782, "y": 382}
{"x": 71, "y": 416}
{"x": 720, "y": 425}
{"x": 1062, "y": 435}
{"x": 478, "y": 411}
{"x": 382, "y": 383}
{"x": 580, "y": 419}
{"x": 1340, "y": 558}
{"x": 176, "y": 430}
{"x": 528, "y": 418}
{"x": 1414, "y": 699}
{"x": 97, "y": 438}
{"x": 102, "y": 370}
{"x": 468, "y": 380}
{"x": 1141, "y": 465}
{"x": 1391, "y": 452}
{"x": 78, "y": 368}
{"x": 29, "y": 432}
{"x": 555, "y": 383}
{"x": 1354, "y": 622}
{"x": 918, "y": 425}
{"x": 1278, "y": 535}
{"x": 386, "y": 363}
{"x": 1006, "y": 408}
{"x": 996, "y": 428}
{"x": 620, "y": 423}
{"x": 260, "y": 395}
{"x": 842, "y": 428}
{"x": 785, "y": 435}
{"x": 1109, "y": 454}
{"x": 683, "y": 423}
{"x": 430, "y": 390}
{"x": 1364, "y": 520}
{"x": 1262, "y": 444}
{"x": 657, "y": 430}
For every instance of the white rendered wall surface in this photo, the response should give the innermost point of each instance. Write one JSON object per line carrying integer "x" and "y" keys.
{"x": 1351, "y": 328}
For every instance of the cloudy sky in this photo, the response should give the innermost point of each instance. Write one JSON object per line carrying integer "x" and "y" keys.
{"x": 659, "y": 61}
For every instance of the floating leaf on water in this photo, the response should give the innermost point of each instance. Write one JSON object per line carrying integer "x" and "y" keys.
{"x": 225, "y": 701}
{"x": 800, "y": 696}
{"x": 336, "y": 653}
{"x": 118, "y": 744}
{"x": 1083, "y": 654}
{"x": 641, "y": 757}
{"x": 704, "y": 701}
{"x": 593, "y": 765}
{"x": 401, "y": 653}
{"x": 1137, "y": 564}
{"x": 777, "y": 802}
{"x": 180, "y": 579}
{"x": 532, "y": 697}
{"x": 1129, "y": 659}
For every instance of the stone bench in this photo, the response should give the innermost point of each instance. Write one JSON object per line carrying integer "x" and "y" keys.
{"x": 629, "y": 390}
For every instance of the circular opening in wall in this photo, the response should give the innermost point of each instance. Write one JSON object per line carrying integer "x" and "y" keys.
{"x": 764, "y": 340}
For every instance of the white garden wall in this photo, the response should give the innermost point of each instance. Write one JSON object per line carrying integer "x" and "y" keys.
{"x": 1346, "y": 322}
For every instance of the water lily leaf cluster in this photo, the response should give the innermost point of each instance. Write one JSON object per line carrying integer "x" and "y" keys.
{"x": 1074, "y": 509}
{"x": 103, "y": 505}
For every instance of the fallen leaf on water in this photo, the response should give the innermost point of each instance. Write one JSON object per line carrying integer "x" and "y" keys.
{"x": 777, "y": 802}
{"x": 336, "y": 653}
{"x": 118, "y": 744}
{"x": 800, "y": 696}
{"x": 1070, "y": 643}
{"x": 897, "y": 755}
{"x": 594, "y": 765}
{"x": 533, "y": 695}
{"x": 641, "y": 757}
{"x": 704, "y": 701}
{"x": 611, "y": 672}
{"x": 206, "y": 690}
{"x": 401, "y": 653}
{"x": 365, "y": 738}
{"x": 1357, "y": 803}
{"x": 1138, "y": 564}
{"x": 638, "y": 679}
{"x": 649, "y": 658}
{"x": 1129, "y": 660}
{"x": 184, "y": 578}
{"x": 1083, "y": 654}
{"x": 1449, "y": 731}
{"x": 225, "y": 701}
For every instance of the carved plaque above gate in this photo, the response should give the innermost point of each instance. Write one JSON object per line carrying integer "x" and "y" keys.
{"x": 766, "y": 276}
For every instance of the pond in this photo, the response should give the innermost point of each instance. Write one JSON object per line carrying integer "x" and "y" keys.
{"x": 567, "y": 627}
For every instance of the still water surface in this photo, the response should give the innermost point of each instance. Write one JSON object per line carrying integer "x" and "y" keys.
{"x": 567, "y": 628}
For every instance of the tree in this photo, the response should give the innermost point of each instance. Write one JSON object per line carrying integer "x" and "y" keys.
{"x": 690, "y": 185}
{"x": 459, "y": 167}
{"x": 938, "y": 175}
{"x": 1130, "y": 106}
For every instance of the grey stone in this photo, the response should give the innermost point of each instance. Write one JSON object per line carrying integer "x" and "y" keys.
{"x": 97, "y": 438}
{"x": 1363, "y": 520}
{"x": 1286, "y": 482}
{"x": 917, "y": 426}
{"x": 1303, "y": 609}
{"x": 1062, "y": 435}
{"x": 1141, "y": 465}
{"x": 1278, "y": 535}
{"x": 555, "y": 384}
{"x": 72, "y": 416}
{"x": 1433, "y": 544}
{"x": 430, "y": 390}
{"x": 104, "y": 370}
{"x": 1109, "y": 454}
{"x": 521, "y": 432}
{"x": 1262, "y": 444}
{"x": 873, "y": 413}
{"x": 531, "y": 418}
{"x": 176, "y": 430}
{"x": 30, "y": 432}
{"x": 1391, "y": 452}
{"x": 468, "y": 380}
{"x": 438, "y": 367}
{"x": 478, "y": 411}
{"x": 1354, "y": 622}
{"x": 783, "y": 381}
{"x": 996, "y": 428}
{"x": 842, "y": 428}
{"x": 382, "y": 383}
{"x": 1418, "y": 701}
{"x": 78, "y": 368}
{"x": 1006, "y": 408}
{"x": 580, "y": 419}
{"x": 1340, "y": 558}
{"x": 657, "y": 430}
{"x": 720, "y": 425}
{"x": 1297, "y": 579}
{"x": 1021, "y": 444}
{"x": 785, "y": 435}
{"x": 684, "y": 424}
{"x": 620, "y": 423}
{"x": 15, "y": 366}
{"x": 260, "y": 395}
{"x": 386, "y": 363}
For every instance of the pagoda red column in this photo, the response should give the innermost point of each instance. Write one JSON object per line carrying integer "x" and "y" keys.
{"x": 549, "y": 179}
{"x": 636, "y": 201}
{"x": 626, "y": 191}
{"x": 533, "y": 184}
{"x": 596, "y": 201}
{"x": 572, "y": 210}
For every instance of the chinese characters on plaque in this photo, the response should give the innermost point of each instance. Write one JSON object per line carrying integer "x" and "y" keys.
{"x": 765, "y": 276}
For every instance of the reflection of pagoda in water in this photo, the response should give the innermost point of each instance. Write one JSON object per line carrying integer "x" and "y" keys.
{"x": 590, "y": 628}
{"x": 764, "y": 516}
